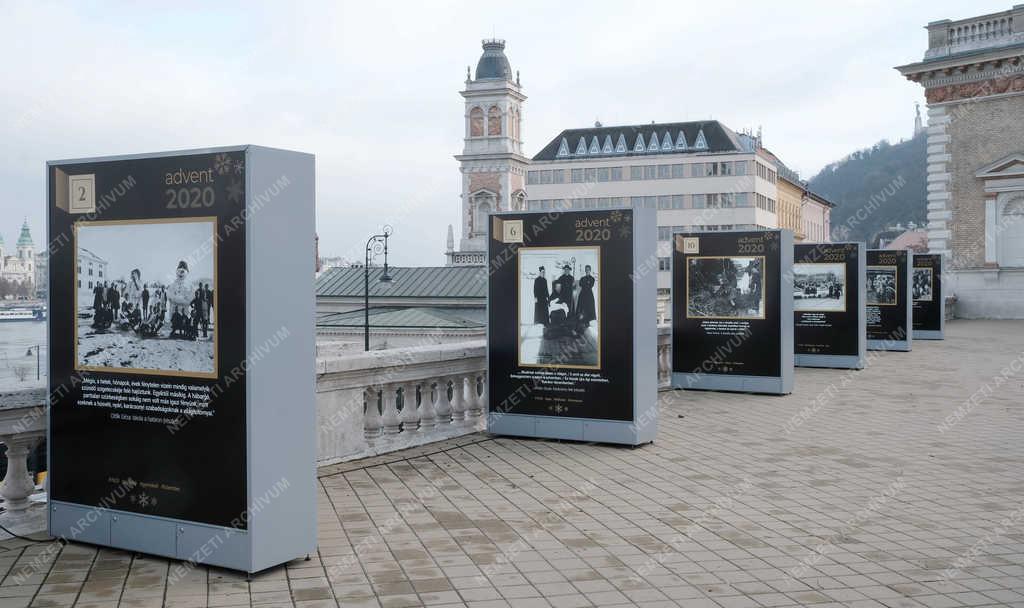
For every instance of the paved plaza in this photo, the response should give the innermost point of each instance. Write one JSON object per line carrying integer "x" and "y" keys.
{"x": 865, "y": 488}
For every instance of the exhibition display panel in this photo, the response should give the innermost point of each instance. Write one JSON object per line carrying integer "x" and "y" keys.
{"x": 181, "y": 354}
{"x": 828, "y": 305}
{"x": 732, "y": 311}
{"x": 887, "y": 293}
{"x": 571, "y": 332}
{"x": 929, "y": 308}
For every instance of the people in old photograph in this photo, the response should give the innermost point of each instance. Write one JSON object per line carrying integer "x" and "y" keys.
{"x": 725, "y": 287}
{"x": 881, "y": 287}
{"x": 923, "y": 284}
{"x": 144, "y": 296}
{"x": 819, "y": 287}
{"x": 558, "y": 317}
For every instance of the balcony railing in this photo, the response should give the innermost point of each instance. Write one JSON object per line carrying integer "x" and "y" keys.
{"x": 986, "y": 31}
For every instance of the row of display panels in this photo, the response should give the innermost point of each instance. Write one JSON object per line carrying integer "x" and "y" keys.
{"x": 571, "y": 316}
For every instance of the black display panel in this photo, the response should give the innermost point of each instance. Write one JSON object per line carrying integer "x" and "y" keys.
{"x": 926, "y": 286}
{"x": 726, "y": 316}
{"x": 147, "y": 335}
{"x": 886, "y": 299}
{"x": 560, "y": 314}
{"x": 826, "y": 284}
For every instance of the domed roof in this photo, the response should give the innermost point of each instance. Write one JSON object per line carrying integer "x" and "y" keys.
{"x": 25, "y": 239}
{"x": 493, "y": 63}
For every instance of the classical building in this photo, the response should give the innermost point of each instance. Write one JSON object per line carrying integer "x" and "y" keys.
{"x": 804, "y": 212}
{"x": 21, "y": 266}
{"x": 492, "y": 162}
{"x": 973, "y": 77}
{"x": 92, "y": 270}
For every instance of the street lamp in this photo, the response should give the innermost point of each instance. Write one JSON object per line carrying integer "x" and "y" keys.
{"x": 374, "y": 245}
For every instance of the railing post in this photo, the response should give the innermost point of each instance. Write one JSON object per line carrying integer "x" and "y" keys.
{"x": 443, "y": 407}
{"x": 389, "y": 416}
{"x": 410, "y": 413}
{"x": 371, "y": 413}
{"x": 458, "y": 399}
{"x": 428, "y": 415}
{"x": 478, "y": 401}
{"x": 17, "y": 485}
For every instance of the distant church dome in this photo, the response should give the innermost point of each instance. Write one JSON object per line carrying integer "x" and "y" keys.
{"x": 25, "y": 239}
{"x": 493, "y": 63}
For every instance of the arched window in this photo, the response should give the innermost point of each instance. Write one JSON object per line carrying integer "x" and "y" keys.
{"x": 476, "y": 122}
{"x": 1010, "y": 233}
{"x": 494, "y": 121}
{"x": 483, "y": 205}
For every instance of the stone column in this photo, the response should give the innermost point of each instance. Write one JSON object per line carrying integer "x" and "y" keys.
{"x": 410, "y": 414}
{"x": 372, "y": 423}
{"x": 443, "y": 407}
{"x": 389, "y": 417}
{"x": 17, "y": 485}
{"x": 458, "y": 399}
{"x": 428, "y": 415}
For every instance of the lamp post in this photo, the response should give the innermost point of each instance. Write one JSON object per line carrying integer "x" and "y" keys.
{"x": 374, "y": 245}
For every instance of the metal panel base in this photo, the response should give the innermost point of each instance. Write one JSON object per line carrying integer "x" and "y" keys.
{"x": 929, "y": 334}
{"x": 896, "y": 345}
{"x": 572, "y": 429}
{"x": 768, "y": 385}
{"x": 833, "y": 361}
{"x": 199, "y": 543}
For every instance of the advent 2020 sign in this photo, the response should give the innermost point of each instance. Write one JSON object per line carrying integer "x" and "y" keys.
{"x": 732, "y": 311}
{"x": 929, "y": 301}
{"x": 180, "y": 341}
{"x": 571, "y": 334}
{"x": 887, "y": 288}
{"x": 828, "y": 305}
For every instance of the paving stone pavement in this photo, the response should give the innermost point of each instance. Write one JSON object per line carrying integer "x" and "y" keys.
{"x": 850, "y": 492}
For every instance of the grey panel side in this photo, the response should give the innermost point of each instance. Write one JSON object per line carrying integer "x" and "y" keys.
{"x": 786, "y": 319}
{"x": 928, "y": 334}
{"x": 280, "y": 379}
{"x": 896, "y": 345}
{"x": 645, "y": 336}
{"x": 166, "y": 153}
{"x": 909, "y": 294}
{"x": 831, "y": 361}
{"x": 769, "y": 385}
{"x": 862, "y": 302}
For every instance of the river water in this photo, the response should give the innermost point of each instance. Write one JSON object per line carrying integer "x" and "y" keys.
{"x": 17, "y": 338}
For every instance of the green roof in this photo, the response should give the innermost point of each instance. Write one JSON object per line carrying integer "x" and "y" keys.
{"x": 406, "y": 282}
{"x": 417, "y": 317}
{"x": 26, "y": 238}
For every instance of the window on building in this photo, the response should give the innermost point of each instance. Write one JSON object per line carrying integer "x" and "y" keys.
{"x": 637, "y": 202}
{"x": 1010, "y": 233}
{"x": 678, "y": 171}
{"x": 558, "y": 176}
{"x": 616, "y": 173}
{"x": 603, "y": 174}
{"x": 650, "y": 172}
{"x": 494, "y": 121}
{"x": 699, "y": 201}
{"x": 664, "y": 202}
{"x": 90, "y": 272}
{"x": 697, "y": 170}
{"x": 710, "y": 169}
{"x": 651, "y": 202}
{"x": 725, "y": 168}
{"x": 101, "y": 274}
{"x": 677, "y": 201}
{"x": 577, "y": 176}
{"x": 532, "y": 177}
{"x": 664, "y": 171}
{"x": 664, "y": 233}
{"x": 476, "y": 122}
{"x": 636, "y": 172}
{"x": 664, "y": 264}
{"x": 742, "y": 199}
{"x": 740, "y": 167}
{"x": 79, "y": 283}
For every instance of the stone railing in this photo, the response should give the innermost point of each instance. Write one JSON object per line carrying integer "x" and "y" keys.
{"x": 387, "y": 400}
{"x": 22, "y": 427}
{"x": 361, "y": 399}
{"x": 986, "y": 31}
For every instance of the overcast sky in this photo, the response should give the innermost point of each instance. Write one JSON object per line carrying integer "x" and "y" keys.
{"x": 371, "y": 88}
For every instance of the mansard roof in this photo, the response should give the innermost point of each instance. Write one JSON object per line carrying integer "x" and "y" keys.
{"x": 644, "y": 140}
{"x": 407, "y": 282}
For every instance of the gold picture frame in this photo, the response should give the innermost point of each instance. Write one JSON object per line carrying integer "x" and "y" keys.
{"x": 212, "y": 220}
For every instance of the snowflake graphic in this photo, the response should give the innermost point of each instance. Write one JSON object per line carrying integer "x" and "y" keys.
{"x": 774, "y": 246}
{"x": 616, "y": 216}
{"x": 222, "y": 164}
{"x": 239, "y": 166}
{"x": 624, "y": 232}
{"x": 235, "y": 192}
{"x": 144, "y": 500}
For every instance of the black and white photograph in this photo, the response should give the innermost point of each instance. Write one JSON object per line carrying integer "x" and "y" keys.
{"x": 146, "y": 297}
{"x": 881, "y": 285}
{"x": 559, "y": 307}
{"x": 725, "y": 287}
{"x": 923, "y": 284}
{"x": 819, "y": 287}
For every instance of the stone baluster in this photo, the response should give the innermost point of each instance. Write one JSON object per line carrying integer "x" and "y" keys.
{"x": 444, "y": 406}
{"x": 389, "y": 406}
{"x": 478, "y": 394}
{"x": 428, "y": 413}
{"x": 663, "y": 365}
{"x": 410, "y": 412}
{"x": 372, "y": 424}
{"x": 17, "y": 485}
{"x": 458, "y": 399}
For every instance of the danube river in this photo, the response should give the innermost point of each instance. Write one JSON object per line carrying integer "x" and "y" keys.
{"x": 17, "y": 338}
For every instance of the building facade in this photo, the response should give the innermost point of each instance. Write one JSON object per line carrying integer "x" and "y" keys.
{"x": 91, "y": 271}
{"x": 698, "y": 175}
{"x": 973, "y": 76}
{"x": 19, "y": 266}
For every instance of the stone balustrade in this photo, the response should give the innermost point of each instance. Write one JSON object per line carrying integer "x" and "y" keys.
{"x": 22, "y": 427}
{"x": 993, "y": 30}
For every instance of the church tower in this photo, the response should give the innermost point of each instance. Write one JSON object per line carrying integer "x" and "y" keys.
{"x": 26, "y": 249}
{"x": 492, "y": 163}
